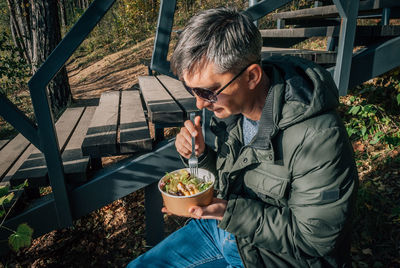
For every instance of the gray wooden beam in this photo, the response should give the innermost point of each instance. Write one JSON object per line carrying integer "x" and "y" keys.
{"x": 101, "y": 136}
{"x": 11, "y": 153}
{"x": 165, "y": 22}
{"x": 176, "y": 89}
{"x": 18, "y": 120}
{"x": 134, "y": 131}
{"x": 264, "y": 7}
{"x": 161, "y": 107}
{"x": 348, "y": 11}
{"x": 374, "y": 61}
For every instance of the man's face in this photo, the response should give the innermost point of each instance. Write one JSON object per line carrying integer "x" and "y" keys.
{"x": 230, "y": 101}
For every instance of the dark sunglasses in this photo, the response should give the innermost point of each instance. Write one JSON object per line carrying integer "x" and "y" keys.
{"x": 207, "y": 94}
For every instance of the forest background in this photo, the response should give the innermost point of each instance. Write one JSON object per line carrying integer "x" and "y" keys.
{"x": 371, "y": 113}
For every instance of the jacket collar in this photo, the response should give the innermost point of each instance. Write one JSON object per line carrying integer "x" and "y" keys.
{"x": 268, "y": 127}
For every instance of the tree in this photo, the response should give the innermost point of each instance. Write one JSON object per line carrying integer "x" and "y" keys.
{"x": 20, "y": 16}
{"x": 63, "y": 13}
{"x": 46, "y": 35}
{"x": 35, "y": 27}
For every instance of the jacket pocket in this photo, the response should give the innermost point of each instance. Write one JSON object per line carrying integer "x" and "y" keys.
{"x": 268, "y": 187}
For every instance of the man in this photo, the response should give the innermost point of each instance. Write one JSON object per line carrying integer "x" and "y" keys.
{"x": 286, "y": 178}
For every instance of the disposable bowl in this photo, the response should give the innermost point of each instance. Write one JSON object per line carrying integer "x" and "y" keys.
{"x": 179, "y": 205}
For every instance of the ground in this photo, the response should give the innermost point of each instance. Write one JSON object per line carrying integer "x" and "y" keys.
{"x": 114, "y": 234}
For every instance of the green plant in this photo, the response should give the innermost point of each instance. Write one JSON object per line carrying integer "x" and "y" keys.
{"x": 14, "y": 71}
{"x": 369, "y": 121}
{"x": 21, "y": 237}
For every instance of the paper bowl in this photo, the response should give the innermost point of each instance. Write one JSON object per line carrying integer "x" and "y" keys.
{"x": 179, "y": 205}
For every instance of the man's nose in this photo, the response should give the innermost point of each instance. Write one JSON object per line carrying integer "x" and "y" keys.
{"x": 200, "y": 103}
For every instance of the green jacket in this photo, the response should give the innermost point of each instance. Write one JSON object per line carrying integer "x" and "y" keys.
{"x": 291, "y": 191}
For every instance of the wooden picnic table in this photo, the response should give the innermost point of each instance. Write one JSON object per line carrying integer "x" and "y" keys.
{"x": 167, "y": 101}
{"x": 120, "y": 124}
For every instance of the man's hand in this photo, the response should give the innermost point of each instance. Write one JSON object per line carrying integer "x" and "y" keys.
{"x": 183, "y": 142}
{"x": 215, "y": 210}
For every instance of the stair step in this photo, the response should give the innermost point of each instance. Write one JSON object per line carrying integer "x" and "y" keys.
{"x": 317, "y": 56}
{"x": 366, "y": 8}
{"x": 361, "y": 31}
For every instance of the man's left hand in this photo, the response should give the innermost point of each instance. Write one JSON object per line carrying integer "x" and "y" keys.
{"x": 215, "y": 210}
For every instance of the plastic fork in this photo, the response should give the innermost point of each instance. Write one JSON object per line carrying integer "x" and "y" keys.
{"x": 193, "y": 161}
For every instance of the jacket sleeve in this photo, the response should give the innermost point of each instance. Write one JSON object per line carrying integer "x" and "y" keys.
{"x": 324, "y": 181}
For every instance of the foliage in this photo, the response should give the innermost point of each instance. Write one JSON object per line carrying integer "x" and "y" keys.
{"x": 22, "y": 237}
{"x": 13, "y": 69}
{"x": 372, "y": 113}
{"x": 14, "y": 74}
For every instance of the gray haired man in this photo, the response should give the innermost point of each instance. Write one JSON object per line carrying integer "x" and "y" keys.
{"x": 286, "y": 178}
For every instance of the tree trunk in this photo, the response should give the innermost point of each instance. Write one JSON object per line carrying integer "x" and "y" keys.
{"x": 20, "y": 17}
{"x": 63, "y": 13}
{"x": 45, "y": 37}
{"x": 70, "y": 9}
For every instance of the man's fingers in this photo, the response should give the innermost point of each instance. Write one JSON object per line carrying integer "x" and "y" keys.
{"x": 196, "y": 212}
{"x": 215, "y": 210}
{"x": 184, "y": 140}
{"x": 197, "y": 122}
{"x": 190, "y": 128}
{"x": 165, "y": 210}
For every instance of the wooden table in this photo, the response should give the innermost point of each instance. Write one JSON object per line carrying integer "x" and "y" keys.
{"x": 167, "y": 101}
{"x": 120, "y": 124}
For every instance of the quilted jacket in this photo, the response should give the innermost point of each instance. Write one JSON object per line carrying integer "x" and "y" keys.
{"x": 291, "y": 190}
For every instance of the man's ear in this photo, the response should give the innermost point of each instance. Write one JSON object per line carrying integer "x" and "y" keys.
{"x": 255, "y": 75}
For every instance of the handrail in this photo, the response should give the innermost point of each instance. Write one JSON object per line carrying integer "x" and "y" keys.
{"x": 43, "y": 135}
{"x": 19, "y": 120}
{"x": 37, "y": 86}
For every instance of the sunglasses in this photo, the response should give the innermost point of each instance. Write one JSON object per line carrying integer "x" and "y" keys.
{"x": 207, "y": 94}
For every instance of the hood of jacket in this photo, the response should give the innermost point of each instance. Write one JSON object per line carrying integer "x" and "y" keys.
{"x": 299, "y": 89}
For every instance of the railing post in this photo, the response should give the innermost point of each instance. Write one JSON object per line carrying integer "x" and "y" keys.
{"x": 50, "y": 148}
{"x": 252, "y": 3}
{"x": 154, "y": 217}
{"x": 348, "y": 11}
{"x": 385, "y": 16}
{"x": 165, "y": 22}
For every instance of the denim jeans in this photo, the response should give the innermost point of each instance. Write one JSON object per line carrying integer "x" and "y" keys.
{"x": 200, "y": 243}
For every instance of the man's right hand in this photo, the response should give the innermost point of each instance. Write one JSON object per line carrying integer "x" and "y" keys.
{"x": 183, "y": 142}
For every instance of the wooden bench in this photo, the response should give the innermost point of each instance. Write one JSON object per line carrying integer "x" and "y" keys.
{"x": 21, "y": 160}
{"x": 120, "y": 123}
{"x": 118, "y": 126}
{"x": 167, "y": 101}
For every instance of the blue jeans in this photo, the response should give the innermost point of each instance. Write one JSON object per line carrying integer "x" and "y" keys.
{"x": 200, "y": 243}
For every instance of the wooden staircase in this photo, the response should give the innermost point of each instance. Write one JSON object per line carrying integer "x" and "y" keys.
{"x": 296, "y": 26}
